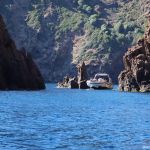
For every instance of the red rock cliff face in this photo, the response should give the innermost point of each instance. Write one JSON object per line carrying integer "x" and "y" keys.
{"x": 136, "y": 75}
{"x": 17, "y": 69}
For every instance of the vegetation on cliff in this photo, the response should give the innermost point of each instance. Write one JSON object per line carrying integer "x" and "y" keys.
{"x": 66, "y": 32}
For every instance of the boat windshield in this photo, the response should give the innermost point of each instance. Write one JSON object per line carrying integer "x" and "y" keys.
{"x": 104, "y": 77}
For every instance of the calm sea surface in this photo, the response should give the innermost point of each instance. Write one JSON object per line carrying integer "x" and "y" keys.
{"x": 63, "y": 119}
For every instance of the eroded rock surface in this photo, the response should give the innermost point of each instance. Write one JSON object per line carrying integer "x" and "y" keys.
{"x": 82, "y": 76}
{"x": 17, "y": 69}
{"x": 136, "y": 75}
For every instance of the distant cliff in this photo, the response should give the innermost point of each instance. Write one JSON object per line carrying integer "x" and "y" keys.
{"x": 59, "y": 34}
{"x": 136, "y": 76}
{"x": 17, "y": 69}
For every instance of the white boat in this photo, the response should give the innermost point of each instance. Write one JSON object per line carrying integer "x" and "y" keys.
{"x": 100, "y": 81}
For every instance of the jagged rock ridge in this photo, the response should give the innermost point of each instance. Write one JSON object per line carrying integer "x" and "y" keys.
{"x": 136, "y": 76}
{"x": 17, "y": 69}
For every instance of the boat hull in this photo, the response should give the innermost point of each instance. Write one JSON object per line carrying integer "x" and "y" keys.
{"x": 98, "y": 85}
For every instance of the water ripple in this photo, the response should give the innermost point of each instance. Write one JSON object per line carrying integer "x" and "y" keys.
{"x": 64, "y": 119}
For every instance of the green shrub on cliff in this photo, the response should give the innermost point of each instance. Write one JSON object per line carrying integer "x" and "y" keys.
{"x": 69, "y": 21}
{"x": 93, "y": 19}
{"x": 87, "y": 8}
{"x": 80, "y": 2}
{"x": 33, "y": 19}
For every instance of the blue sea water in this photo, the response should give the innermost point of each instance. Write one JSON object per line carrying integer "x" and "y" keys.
{"x": 64, "y": 119}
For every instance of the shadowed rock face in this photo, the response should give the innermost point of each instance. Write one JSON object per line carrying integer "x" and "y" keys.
{"x": 17, "y": 69}
{"x": 82, "y": 76}
{"x": 82, "y": 73}
{"x": 136, "y": 75}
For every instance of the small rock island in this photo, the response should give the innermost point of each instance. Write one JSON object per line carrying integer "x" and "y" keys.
{"x": 17, "y": 69}
{"x": 136, "y": 75}
{"x": 78, "y": 82}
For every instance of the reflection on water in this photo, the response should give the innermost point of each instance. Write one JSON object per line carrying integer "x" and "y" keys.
{"x": 74, "y": 120}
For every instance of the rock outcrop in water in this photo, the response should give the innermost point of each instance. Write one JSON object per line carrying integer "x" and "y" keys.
{"x": 76, "y": 82}
{"x": 136, "y": 76}
{"x": 17, "y": 69}
{"x": 69, "y": 82}
{"x": 82, "y": 76}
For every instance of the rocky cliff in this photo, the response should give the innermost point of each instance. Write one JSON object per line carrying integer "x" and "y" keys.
{"x": 136, "y": 76}
{"x": 59, "y": 34}
{"x": 17, "y": 69}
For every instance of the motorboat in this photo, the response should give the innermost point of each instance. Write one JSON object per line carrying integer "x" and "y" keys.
{"x": 100, "y": 81}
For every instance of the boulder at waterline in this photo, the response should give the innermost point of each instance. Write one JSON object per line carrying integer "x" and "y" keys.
{"x": 83, "y": 85}
{"x": 73, "y": 84}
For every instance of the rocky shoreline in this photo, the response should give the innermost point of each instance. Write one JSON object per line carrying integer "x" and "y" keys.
{"x": 136, "y": 75}
{"x": 17, "y": 68}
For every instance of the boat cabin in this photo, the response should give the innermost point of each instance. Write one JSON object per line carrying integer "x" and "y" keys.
{"x": 102, "y": 76}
